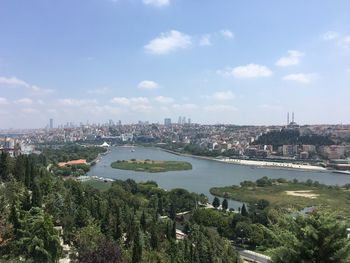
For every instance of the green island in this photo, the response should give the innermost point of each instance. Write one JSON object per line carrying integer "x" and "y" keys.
{"x": 290, "y": 195}
{"x": 151, "y": 166}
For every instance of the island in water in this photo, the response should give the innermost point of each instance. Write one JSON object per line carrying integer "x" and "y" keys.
{"x": 151, "y": 166}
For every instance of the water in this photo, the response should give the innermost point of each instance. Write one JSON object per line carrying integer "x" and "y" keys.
{"x": 204, "y": 174}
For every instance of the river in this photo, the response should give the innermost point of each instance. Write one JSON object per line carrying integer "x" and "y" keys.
{"x": 205, "y": 173}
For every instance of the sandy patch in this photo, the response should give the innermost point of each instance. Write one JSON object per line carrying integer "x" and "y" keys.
{"x": 305, "y": 193}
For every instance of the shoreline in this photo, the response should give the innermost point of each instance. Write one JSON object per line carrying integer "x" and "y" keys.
{"x": 257, "y": 164}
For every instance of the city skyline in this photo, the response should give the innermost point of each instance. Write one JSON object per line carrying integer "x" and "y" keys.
{"x": 230, "y": 63}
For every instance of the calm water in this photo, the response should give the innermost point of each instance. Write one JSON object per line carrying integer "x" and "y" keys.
{"x": 205, "y": 173}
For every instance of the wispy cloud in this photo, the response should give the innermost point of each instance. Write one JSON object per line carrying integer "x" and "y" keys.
{"x": 330, "y": 35}
{"x": 4, "y": 101}
{"x": 156, "y": 3}
{"x": 292, "y": 59}
{"x": 164, "y": 100}
{"x": 301, "y": 77}
{"x": 168, "y": 42}
{"x": 205, "y": 40}
{"x": 123, "y": 101}
{"x": 16, "y": 82}
{"x": 227, "y": 33}
{"x": 223, "y": 95}
{"x": 148, "y": 85}
{"x": 24, "y": 101}
{"x": 247, "y": 71}
{"x": 77, "y": 102}
{"x": 99, "y": 91}
{"x": 219, "y": 108}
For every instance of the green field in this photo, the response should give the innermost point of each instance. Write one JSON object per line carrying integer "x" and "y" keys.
{"x": 98, "y": 184}
{"x": 335, "y": 199}
{"x": 151, "y": 166}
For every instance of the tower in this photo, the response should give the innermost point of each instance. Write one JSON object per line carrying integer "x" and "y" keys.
{"x": 51, "y": 123}
{"x": 287, "y": 118}
{"x": 293, "y": 117}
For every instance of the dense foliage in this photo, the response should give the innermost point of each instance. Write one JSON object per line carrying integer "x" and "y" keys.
{"x": 151, "y": 166}
{"x": 129, "y": 222}
{"x": 72, "y": 152}
{"x": 290, "y": 136}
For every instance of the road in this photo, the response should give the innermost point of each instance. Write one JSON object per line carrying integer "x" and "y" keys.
{"x": 251, "y": 256}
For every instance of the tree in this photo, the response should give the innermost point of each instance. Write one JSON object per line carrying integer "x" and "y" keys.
{"x": 137, "y": 248}
{"x": 106, "y": 251}
{"x": 4, "y": 167}
{"x": 36, "y": 195}
{"x": 143, "y": 221}
{"x": 318, "y": 237}
{"x": 224, "y": 204}
{"x": 38, "y": 240}
{"x": 244, "y": 211}
{"x": 216, "y": 202}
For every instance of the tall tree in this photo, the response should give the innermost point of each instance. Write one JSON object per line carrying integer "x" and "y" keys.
{"x": 137, "y": 248}
{"x": 216, "y": 202}
{"x": 224, "y": 204}
{"x": 4, "y": 167}
{"x": 244, "y": 211}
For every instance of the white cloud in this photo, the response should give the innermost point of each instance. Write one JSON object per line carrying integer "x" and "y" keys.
{"x": 76, "y": 102}
{"x": 168, "y": 42}
{"x": 164, "y": 100}
{"x": 13, "y": 81}
{"x": 330, "y": 35}
{"x": 24, "y": 101}
{"x": 301, "y": 77}
{"x": 345, "y": 42}
{"x": 186, "y": 106}
{"x": 247, "y": 71}
{"x": 223, "y": 95}
{"x": 99, "y": 91}
{"x": 227, "y": 33}
{"x": 141, "y": 108}
{"x": 148, "y": 85}
{"x": 271, "y": 107}
{"x": 219, "y": 108}
{"x": 205, "y": 40}
{"x": 30, "y": 111}
{"x": 130, "y": 101}
{"x": 4, "y": 101}
{"x": 292, "y": 59}
{"x": 121, "y": 100}
{"x": 157, "y": 3}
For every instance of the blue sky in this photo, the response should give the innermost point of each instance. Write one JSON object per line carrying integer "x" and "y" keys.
{"x": 240, "y": 62}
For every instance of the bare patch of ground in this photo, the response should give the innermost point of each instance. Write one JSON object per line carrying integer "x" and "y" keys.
{"x": 304, "y": 193}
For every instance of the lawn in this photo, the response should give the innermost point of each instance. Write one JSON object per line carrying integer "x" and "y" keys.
{"x": 151, "y": 166}
{"x": 98, "y": 184}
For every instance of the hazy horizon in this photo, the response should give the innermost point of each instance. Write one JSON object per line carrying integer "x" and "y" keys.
{"x": 233, "y": 63}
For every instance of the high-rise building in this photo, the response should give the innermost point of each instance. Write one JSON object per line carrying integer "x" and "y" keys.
{"x": 189, "y": 120}
{"x": 167, "y": 121}
{"x": 179, "y": 121}
{"x": 51, "y": 123}
{"x": 183, "y": 120}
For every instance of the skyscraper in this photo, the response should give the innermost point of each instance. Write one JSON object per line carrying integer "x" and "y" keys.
{"x": 167, "y": 121}
{"x": 51, "y": 123}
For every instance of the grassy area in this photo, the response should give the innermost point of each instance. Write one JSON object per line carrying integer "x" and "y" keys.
{"x": 151, "y": 166}
{"x": 293, "y": 196}
{"x": 98, "y": 184}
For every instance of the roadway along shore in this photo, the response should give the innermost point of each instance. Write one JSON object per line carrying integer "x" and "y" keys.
{"x": 254, "y": 163}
